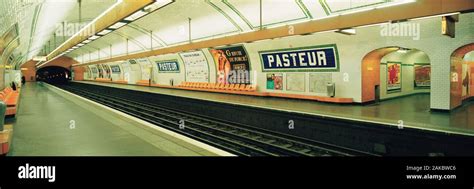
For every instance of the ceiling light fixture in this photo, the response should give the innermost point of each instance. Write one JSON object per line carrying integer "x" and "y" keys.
{"x": 94, "y": 37}
{"x": 118, "y": 25}
{"x": 136, "y": 15}
{"x": 104, "y": 32}
{"x": 349, "y": 31}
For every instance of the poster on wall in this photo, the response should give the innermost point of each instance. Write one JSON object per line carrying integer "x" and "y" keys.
{"x": 275, "y": 81}
{"x": 295, "y": 82}
{"x": 422, "y": 75}
{"x": 145, "y": 66}
{"x": 465, "y": 80}
{"x": 318, "y": 82}
{"x": 394, "y": 77}
{"x": 169, "y": 66}
{"x": 233, "y": 66}
{"x": 311, "y": 59}
{"x": 196, "y": 66}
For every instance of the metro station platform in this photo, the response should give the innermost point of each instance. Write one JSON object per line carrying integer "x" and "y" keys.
{"x": 410, "y": 111}
{"x": 51, "y": 122}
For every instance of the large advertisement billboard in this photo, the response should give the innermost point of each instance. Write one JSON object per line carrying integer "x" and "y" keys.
{"x": 233, "y": 65}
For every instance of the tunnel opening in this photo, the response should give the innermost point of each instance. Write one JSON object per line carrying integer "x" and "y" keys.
{"x": 395, "y": 72}
{"x": 53, "y": 75}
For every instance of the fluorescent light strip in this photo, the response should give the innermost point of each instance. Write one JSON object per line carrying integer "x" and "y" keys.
{"x": 395, "y": 4}
{"x": 117, "y": 25}
{"x": 136, "y": 15}
{"x": 347, "y": 31}
{"x": 90, "y": 23}
{"x": 94, "y": 37}
{"x": 104, "y": 32}
{"x": 156, "y": 5}
{"x": 434, "y": 16}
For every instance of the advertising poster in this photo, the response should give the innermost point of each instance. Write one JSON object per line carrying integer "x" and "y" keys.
{"x": 311, "y": 59}
{"x": 465, "y": 80}
{"x": 422, "y": 75}
{"x": 275, "y": 81}
{"x": 295, "y": 82}
{"x": 318, "y": 82}
{"x": 394, "y": 77}
{"x": 196, "y": 66}
{"x": 233, "y": 66}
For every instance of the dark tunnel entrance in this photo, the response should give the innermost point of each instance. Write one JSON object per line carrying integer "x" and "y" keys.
{"x": 53, "y": 74}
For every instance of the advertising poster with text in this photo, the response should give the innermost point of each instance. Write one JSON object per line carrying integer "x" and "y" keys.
{"x": 394, "y": 77}
{"x": 422, "y": 75}
{"x": 233, "y": 66}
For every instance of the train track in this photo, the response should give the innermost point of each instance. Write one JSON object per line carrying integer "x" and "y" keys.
{"x": 234, "y": 138}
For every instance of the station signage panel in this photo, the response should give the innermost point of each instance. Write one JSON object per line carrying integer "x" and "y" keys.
{"x": 168, "y": 66}
{"x": 115, "y": 68}
{"x": 312, "y": 59}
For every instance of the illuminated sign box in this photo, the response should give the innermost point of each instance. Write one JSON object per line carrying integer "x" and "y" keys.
{"x": 39, "y": 58}
{"x": 311, "y": 59}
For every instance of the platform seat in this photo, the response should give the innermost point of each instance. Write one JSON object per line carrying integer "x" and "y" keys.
{"x": 143, "y": 83}
{"x": 6, "y": 139}
{"x": 250, "y": 88}
{"x": 245, "y": 89}
{"x": 104, "y": 80}
{"x": 217, "y": 87}
{"x": 10, "y": 98}
{"x": 120, "y": 82}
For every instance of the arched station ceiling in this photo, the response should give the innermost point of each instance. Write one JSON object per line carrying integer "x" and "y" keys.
{"x": 169, "y": 26}
{"x": 38, "y": 21}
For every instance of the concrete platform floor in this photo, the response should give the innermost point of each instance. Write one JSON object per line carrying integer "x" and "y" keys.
{"x": 413, "y": 111}
{"x": 53, "y": 124}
